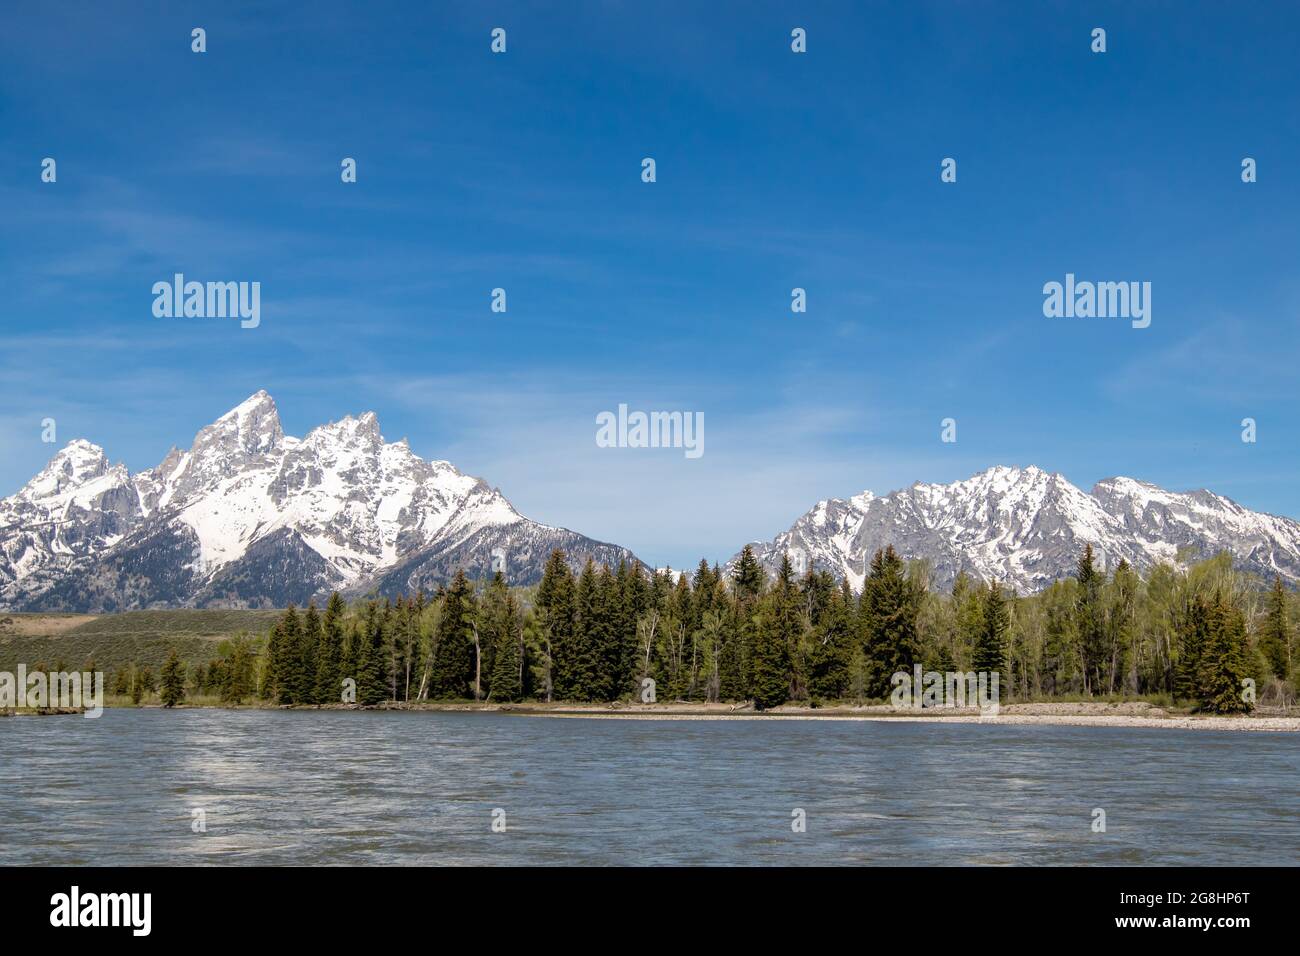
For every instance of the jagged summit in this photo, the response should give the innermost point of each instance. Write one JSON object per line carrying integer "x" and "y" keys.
{"x": 1025, "y": 527}
{"x": 249, "y": 516}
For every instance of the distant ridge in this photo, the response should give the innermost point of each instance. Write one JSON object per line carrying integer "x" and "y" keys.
{"x": 251, "y": 517}
{"x": 1026, "y": 527}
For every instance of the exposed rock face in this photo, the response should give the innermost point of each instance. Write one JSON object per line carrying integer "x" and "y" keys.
{"x": 1026, "y": 528}
{"x": 251, "y": 517}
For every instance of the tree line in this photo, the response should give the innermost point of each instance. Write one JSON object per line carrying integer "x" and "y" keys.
{"x": 1197, "y": 636}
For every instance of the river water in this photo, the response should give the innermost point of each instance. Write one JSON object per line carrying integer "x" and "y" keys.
{"x": 321, "y": 788}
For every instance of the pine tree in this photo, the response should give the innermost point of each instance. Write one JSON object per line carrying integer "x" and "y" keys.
{"x": 291, "y": 676}
{"x": 555, "y": 620}
{"x": 636, "y": 604}
{"x": 236, "y": 672}
{"x": 735, "y": 670}
{"x": 173, "y": 680}
{"x": 991, "y": 644}
{"x": 408, "y": 646}
{"x": 1193, "y": 634}
{"x": 452, "y": 670}
{"x": 507, "y": 659}
{"x": 368, "y": 650}
{"x": 1223, "y": 660}
{"x": 747, "y": 578}
{"x": 777, "y": 630}
{"x": 581, "y": 670}
{"x": 1275, "y": 637}
{"x": 304, "y": 677}
{"x": 1090, "y": 622}
{"x": 493, "y": 623}
{"x": 601, "y": 640}
{"x": 329, "y": 653}
{"x": 890, "y": 606}
{"x": 968, "y": 612}
{"x": 274, "y": 663}
{"x": 832, "y": 649}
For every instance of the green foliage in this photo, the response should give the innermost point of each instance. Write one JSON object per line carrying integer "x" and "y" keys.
{"x": 556, "y": 638}
{"x": 1192, "y": 634}
{"x": 504, "y": 630}
{"x": 173, "y": 681}
{"x": 991, "y": 639}
{"x": 118, "y": 641}
{"x": 889, "y": 609}
{"x": 329, "y": 653}
{"x": 452, "y": 670}
{"x": 779, "y": 627}
{"x": 1275, "y": 638}
{"x": 1223, "y": 665}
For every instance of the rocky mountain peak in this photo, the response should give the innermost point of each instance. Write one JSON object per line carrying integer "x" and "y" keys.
{"x": 249, "y": 516}
{"x": 72, "y": 466}
{"x": 1025, "y": 527}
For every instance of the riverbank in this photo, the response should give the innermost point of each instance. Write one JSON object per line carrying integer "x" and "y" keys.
{"x": 1084, "y": 714}
{"x": 1078, "y": 713}
{"x": 38, "y": 711}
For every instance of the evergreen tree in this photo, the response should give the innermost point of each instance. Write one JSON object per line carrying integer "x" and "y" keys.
{"x": 602, "y": 641}
{"x": 747, "y": 578}
{"x": 236, "y": 672}
{"x": 889, "y": 608}
{"x": 1223, "y": 665}
{"x": 582, "y": 669}
{"x": 556, "y": 607}
{"x": 274, "y": 663}
{"x": 990, "y": 646}
{"x": 968, "y": 614}
{"x": 173, "y": 680}
{"x": 494, "y": 622}
{"x": 289, "y": 673}
{"x": 832, "y": 650}
{"x": 1193, "y": 634}
{"x": 1090, "y": 623}
{"x": 329, "y": 653}
{"x": 507, "y": 659}
{"x": 636, "y": 604}
{"x": 452, "y": 670}
{"x": 1275, "y": 637}
{"x": 369, "y": 663}
{"x": 779, "y": 626}
{"x": 304, "y": 675}
{"x": 407, "y": 646}
{"x": 747, "y": 581}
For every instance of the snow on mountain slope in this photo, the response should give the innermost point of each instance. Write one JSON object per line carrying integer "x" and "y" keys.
{"x": 1026, "y": 528}
{"x": 249, "y": 516}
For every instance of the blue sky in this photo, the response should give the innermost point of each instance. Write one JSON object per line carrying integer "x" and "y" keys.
{"x": 775, "y": 170}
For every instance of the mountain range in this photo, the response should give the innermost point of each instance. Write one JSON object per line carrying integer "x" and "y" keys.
{"x": 251, "y": 517}
{"x": 1026, "y": 528}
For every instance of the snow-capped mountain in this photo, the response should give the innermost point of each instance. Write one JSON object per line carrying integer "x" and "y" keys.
{"x": 249, "y": 517}
{"x": 1026, "y": 528}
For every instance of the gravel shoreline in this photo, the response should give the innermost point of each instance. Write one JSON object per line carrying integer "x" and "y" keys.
{"x": 1243, "y": 724}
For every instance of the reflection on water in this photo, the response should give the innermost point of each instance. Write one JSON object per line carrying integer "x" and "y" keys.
{"x": 284, "y": 787}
